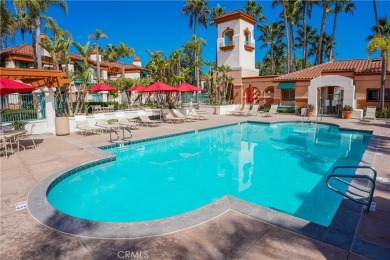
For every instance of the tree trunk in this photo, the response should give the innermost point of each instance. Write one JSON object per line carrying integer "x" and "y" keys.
{"x": 319, "y": 50}
{"x": 34, "y": 42}
{"x": 383, "y": 79}
{"x": 272, "y": 60}
{"x": 292, "y": 46}
{"x": 123, "y": 67}
{"x": 304, "y": 53}
{"x": 38, "y": 41}
{"x": 376, "y": 17}
{"x": 97, "y": 60}
{"x": 333, "y": 35}
{"x": 287, "y": 38}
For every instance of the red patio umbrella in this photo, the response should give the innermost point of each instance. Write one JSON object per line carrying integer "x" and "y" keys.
{"x": 249, "y": 94}
{"x": 137, "y": 88}
{"x": 9, "y": 86}
{"x": 185, "y": 87}
{"x": 102, "y": 87}
{"x": 159, "y": 87}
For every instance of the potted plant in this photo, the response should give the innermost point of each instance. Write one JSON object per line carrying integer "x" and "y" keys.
{"x": 310, "y": 110}
{"x": 347, "y": 111}
{"x": 62, "y": 124}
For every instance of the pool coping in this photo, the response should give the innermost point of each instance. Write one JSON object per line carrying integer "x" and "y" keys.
{"x": 340, "y": 232}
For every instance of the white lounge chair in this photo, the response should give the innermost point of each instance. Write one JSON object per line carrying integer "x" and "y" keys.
{"x": 272, "y": 111}
{"x": 178, "y": 114}
{"x": 123, "y": 121}
{"x": 169, "y": 118}
{"x": 235, "y": 111}
{"x": 145, "y": 120}
{"x": 200, "y": 116}
{"x": 83, "y": 126}
{"x": 370, "y": 114}
{"x": 102, "y": 122}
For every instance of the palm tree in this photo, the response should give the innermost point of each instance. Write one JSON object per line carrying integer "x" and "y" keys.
{"x": 307, "y": 7}
{"x": 382, "y": 28}
{"x": 293, "y": 9}
{"x": 6, "y": 24}
{"x": 37, "y": 9}
{"x": 270, "y": 35}
{"x": 110, "y": 53}
{"x": 57, "y": 31}
{"x": 198, "y": 11}
{"x": 340, "y": 6}
{"x": 84, "y": 74}
{"x": 284, "y": 11}
{"x": 380, "y": 41}
{"x": 215, "y": 12}
{"x": 325, "y": 10}
{"x": 306, "y": 36}
{"x": 253, "y": 9}
{"x": 85, "y": 52}
{"x": 22, "y": 22}
{"x": 124, "y": 51}
{"x": 382, "y": 44}
{"x": 53, "y": 47}
{"x": 98, "y": 35}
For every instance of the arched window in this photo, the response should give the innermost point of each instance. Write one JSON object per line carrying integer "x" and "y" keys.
{"x": 247, "y": 36}
{"x": 248, "y": 44}
{"x": 228, "y": 37}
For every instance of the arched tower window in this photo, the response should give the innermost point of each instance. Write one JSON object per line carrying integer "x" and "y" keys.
{"x": 248, "y": 44}
{"x": 228, "y": 37}
{"x": 228, "y": 43}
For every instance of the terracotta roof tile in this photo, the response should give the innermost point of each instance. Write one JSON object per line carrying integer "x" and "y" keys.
{"x": 357, "y": 66}
{"x": 24, "y": 49}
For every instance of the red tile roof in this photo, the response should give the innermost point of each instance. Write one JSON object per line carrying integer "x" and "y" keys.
{"x": 24, "y": 49}
{"x": 357, "y": 66}
{"x": 27, "y": 50}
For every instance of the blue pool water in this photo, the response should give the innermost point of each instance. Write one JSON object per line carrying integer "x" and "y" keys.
{"x": 280, "y": 166}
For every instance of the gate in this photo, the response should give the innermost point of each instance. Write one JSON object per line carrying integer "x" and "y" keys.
{"x": 330, "y": 104}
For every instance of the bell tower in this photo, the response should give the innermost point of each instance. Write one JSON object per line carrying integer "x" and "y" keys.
{"x": 236, "y": 44}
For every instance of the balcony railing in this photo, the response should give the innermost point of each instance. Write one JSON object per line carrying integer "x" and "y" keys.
{"x": 224, "y": 44}
{"x": 249, "y": 43}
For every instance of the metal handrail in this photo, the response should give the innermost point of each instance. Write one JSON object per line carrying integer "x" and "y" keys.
{"x": 117, "y": 135}
{"x": 338, "y": 177}
{"x": 123, "y": 133}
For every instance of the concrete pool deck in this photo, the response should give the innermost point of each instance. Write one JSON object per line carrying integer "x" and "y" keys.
{"x": 232, "y": 235}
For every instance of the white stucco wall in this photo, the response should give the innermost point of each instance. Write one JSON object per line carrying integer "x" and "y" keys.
{"x": 332, "y": 81}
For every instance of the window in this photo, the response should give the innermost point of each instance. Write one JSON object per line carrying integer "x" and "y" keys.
{"x": 228, "y": 37}
{"x": 288, "y": 94}
{"x": 247, "y": 36}
{"x": 24, "y": 65}
{"x": 373, "y": 95}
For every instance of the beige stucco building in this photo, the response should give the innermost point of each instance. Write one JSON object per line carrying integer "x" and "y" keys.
{"x": 327, "y": 86}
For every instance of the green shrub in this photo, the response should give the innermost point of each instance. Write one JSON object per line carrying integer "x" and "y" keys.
{"x": 19, "y": 124}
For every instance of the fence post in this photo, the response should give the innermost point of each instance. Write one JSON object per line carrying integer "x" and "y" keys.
{"x": 50, "y": 109}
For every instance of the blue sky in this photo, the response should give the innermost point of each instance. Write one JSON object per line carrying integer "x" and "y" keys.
{"x": 159, "y": 25}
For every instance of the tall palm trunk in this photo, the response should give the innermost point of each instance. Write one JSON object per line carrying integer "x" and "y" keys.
{"x": 34, "y": 43}
{"x": 304, "y": 53}
{"x": 287, "y": 37}
{"x": 319, "y": 57}
{"x": 383, "y": 80}
{"x": 38, "y": 41}
{"x": 272, "y": 60}
{"x": 97, "y": 59}
{"x": 376, "y": 16}
{"x": 333, "y": 36}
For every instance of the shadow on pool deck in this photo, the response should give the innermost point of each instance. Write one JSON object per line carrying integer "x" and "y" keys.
{"x": 232, "y": 235}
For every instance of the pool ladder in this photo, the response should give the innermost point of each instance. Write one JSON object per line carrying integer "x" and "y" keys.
{"x": 112, "y": 130}
{"x": 369, "y": 190}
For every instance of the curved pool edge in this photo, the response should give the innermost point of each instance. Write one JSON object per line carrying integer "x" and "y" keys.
{"x": 42, "y": 211}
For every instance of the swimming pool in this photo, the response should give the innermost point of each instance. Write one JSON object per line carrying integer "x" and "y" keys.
{"x": 282, "y": 166}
